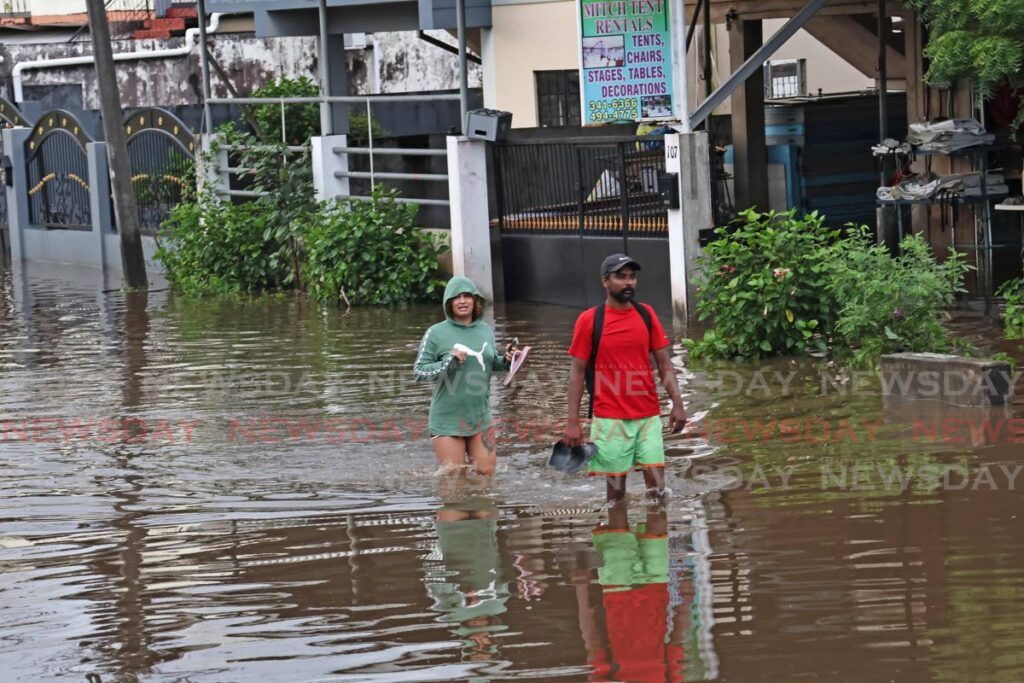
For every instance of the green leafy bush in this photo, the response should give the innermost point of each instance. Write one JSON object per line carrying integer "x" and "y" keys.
{"x": 302, "y": 121}
{"x": 216, "y": 247}
{"x": 364, "y": 252}
{"x": 370, "y": 253}
{"x": 763, "y": 282}
{"x": 778, "y": 285}
{"x": 1013, "y": 292}
{"x": 888, "y": 304}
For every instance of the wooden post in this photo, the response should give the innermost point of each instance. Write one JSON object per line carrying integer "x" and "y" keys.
{"x": 750, "y": 159}
{"x": 126, "y": 211}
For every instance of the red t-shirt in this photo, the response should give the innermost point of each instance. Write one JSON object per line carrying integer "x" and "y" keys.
{"x": 624, "y": 386}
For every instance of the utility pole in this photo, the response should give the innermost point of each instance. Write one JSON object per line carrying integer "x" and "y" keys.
{"x": 126, "y": 210}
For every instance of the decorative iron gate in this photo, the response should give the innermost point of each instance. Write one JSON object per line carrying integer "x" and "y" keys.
{"x": 58, "y": 173}
{"x": 586, "y": 187}
{"x": 161, "y": 149}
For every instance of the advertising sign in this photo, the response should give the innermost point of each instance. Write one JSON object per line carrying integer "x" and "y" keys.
{"x": 626, "y": 60}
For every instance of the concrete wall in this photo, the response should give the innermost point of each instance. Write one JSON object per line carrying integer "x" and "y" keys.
{"x": 396, "y": 62}
{"x": 530, "y": 36}
{"x": 526, "y": 37}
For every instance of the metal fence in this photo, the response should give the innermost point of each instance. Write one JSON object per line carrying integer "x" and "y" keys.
{"x": 362, "y": 177}
{"x": 587, "y": 187}
{"x": 161, "y": 150}
{"x": 58, "y": 173}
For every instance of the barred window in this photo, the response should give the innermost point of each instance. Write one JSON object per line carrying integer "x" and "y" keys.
{"x": 785, "y": 78}
{"x": 558, "y": 97}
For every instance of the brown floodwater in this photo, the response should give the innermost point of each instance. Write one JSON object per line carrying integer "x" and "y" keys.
{"x": 243, "y": 490}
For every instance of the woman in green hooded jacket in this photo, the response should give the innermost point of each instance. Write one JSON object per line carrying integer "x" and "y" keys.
{"x": 459, "y": 355}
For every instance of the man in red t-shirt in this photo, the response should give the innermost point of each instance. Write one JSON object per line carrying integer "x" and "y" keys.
{"x": 627, "y": 414}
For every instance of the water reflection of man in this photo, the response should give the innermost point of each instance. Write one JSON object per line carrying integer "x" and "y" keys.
{"x": 469, "y": 587}
{"x": 633, "y": 576}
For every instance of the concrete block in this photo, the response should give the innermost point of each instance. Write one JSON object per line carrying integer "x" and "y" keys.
{"x": 326, "y": 163}
{"x": 17, "y": 191}
{"x": 956, "y": 380}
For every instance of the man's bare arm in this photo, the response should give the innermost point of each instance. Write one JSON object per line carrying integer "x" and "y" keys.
{"x": 577, "y": 372}
{"x": 667, "y": 373}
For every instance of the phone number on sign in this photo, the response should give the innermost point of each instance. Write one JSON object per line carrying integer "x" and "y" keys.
{"x": 612, "y": 110}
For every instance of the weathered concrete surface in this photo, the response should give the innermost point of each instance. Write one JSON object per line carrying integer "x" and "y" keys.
{"x": 951, "y": 379}
{"x": 393, "y": 62}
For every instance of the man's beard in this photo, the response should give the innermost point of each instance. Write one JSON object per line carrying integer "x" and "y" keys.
{"x": 624, "y": 295}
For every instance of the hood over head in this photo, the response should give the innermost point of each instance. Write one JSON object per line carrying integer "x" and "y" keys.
{"x": 462, "y": 285}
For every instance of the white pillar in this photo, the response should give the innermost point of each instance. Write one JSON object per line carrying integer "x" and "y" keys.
{"x": 99, "y": 199}
{"x": 326, "y": 163}
{"x": 471, "y": 226}
{"x": 17, "y": 189}
{"x": 688, "y": 155}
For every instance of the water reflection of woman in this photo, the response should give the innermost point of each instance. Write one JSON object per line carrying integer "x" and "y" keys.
{"x": 468, "y": 585}
{"x": 633, "y": 576}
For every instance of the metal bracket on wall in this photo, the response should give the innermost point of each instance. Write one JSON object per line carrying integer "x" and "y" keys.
{"x": 445, "y": 46}
{"x": 755, "y": 62}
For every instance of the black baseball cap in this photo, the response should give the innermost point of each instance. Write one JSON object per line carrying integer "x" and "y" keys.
{"x": 615, "y": 262}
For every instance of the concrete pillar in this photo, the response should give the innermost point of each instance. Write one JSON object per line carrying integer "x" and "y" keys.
{"x": 750, "y": 156}
{"x": 325, "y": 163}
{"x": 17, "y": 189}
{"x": 471, "y": 229}
{"x": 489, "y": 68}
{"x": 340, "y": 83}
{"x": 687, "y": 154}
{"x": 99, "y": 200}
{"x": 212, "y": 165}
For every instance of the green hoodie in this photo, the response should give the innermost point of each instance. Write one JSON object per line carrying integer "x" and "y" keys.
{"x": 461, "y": 402}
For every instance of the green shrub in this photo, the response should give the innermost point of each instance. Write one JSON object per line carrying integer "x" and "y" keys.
{"x": 1013, "y": 292}
{"x": 778, "y": 285}
{"x": 369, "y": 252}
{"x": 302, "y": 121}
{"x": 762, "y": 283}
{"x": 216, "y": 247}
{"x": 888, "y": 304}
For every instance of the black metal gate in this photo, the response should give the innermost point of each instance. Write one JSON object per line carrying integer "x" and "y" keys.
{"x": 585, "y": 187}
{"x": 58, "y": 173}
{"x": 161, "y": 149}
{"x": 561, "y": 207}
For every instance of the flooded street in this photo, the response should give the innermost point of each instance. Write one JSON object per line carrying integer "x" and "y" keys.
{"x": 245, "y": 490}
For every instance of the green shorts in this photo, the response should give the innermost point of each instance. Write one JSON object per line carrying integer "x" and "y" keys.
{"x": 623, "y": 445}
{"x": 629, "y": 559}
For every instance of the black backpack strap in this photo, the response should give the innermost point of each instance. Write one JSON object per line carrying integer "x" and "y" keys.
{"x": 595, "y": 341}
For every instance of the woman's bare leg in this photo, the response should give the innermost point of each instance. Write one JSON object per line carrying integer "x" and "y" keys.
{"x": 482, "y": 452}
{"x": 450, "y": 452}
